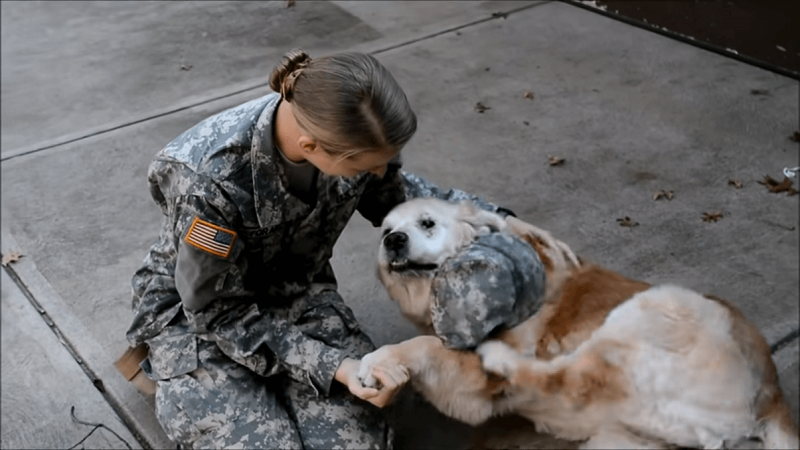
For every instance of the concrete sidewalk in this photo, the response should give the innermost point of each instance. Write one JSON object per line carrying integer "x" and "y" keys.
{"x": 91, "y": 90}
{"x": 43, "y": 384}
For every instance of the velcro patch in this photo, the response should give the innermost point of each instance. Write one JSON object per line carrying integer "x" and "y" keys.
{"x": 210, "y": 238}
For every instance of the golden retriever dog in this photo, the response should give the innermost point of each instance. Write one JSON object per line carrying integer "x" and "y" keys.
{"x": 606, "y": 360}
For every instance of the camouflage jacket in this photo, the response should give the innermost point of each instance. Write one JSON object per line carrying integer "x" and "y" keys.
{"x": 235, "y": 244}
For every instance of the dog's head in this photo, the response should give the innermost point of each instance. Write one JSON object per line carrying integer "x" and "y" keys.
{"x": 456, "y": 271}
{"x": 418, "y": 236}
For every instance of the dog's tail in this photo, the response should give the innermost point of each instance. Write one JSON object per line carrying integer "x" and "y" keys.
{"x": 778, "y": 430}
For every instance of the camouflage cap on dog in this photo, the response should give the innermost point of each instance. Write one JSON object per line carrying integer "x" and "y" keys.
{"x": 496, "y": 282}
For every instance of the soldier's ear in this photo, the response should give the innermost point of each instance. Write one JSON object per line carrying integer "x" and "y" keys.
{"x": 307, "y": 144}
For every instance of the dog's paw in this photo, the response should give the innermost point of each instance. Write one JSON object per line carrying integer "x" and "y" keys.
{"x": 365, "y": 371}
{"x": 368, "y": 364}
{"x": 498, "y": 358}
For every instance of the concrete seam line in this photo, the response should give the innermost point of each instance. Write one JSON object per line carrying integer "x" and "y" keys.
{"x": 493, "y": 16}
{"x": 50, "y": 324}
{"x": 134, "y": 122}
{"x": 151, "y": 116}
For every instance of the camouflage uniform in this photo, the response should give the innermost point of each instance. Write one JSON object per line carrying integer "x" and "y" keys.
{"x": 237, "y": 300}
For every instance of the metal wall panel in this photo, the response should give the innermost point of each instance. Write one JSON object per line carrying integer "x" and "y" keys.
{"x": 765, "y": 33}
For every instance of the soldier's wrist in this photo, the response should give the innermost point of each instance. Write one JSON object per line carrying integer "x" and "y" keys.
{"x": 344, "y": 372}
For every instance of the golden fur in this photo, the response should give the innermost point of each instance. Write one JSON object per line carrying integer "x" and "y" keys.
{"x": 607, "y": 360}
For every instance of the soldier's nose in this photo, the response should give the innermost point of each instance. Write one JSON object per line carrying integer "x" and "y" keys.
{"x": 379, "y": 171}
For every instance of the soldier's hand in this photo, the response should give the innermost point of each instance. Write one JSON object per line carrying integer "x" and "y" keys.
{"x": 390, "y": 381}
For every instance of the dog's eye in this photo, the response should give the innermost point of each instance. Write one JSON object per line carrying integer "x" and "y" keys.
{"x": 427, "y": 224}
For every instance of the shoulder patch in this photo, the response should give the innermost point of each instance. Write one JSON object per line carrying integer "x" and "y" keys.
{"x": 211, "y": 238}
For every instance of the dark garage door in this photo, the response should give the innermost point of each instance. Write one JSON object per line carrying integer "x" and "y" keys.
{"x": 765, "y": 33}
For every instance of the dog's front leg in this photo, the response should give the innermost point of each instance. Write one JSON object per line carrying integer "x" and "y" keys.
{"x": 411, "y": 354}
{"x": 453, "y": 381}
{"x": 578, "y": 378}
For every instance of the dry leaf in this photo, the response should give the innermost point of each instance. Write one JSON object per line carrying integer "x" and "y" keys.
{"x": 627, "y": 222}
{"x": 555, "y": 160}
{"x": 10, "y": 258}
{"x": 776, "y": 187}
{"x": 735, "y": 183}
{"x": 289, "y": 3}
{"x": 712, "y": 217}
{"x": 663, "y": 194}
{"x": 759, "y": 91}
{"x": 795, "y": 137}
{"x": 480, "y": 107}
{"x": 186, "y": 67}
{"x": 528, "y": 95}
{"x": 501, "y": 15}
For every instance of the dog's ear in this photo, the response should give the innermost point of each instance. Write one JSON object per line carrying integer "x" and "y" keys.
{"x": 481, "y": 220}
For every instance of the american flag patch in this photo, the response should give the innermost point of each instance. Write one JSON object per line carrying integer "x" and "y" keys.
{"x": 211, "y": 238}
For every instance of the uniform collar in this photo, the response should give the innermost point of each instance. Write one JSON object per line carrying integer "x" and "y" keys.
{"x": 273, "y": 202}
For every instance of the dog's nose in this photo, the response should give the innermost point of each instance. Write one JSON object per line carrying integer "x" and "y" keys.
{"x": 395, "y": 241}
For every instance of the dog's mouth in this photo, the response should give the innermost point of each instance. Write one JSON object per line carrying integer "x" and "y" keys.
{"x": 404, "y": 265}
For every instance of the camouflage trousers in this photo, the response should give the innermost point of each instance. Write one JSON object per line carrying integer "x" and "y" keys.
{"x": 223, "y": 404}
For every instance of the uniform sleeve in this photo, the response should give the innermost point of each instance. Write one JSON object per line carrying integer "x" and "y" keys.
{"x": 256, "y": 332}
{"x": 397, "y": 186}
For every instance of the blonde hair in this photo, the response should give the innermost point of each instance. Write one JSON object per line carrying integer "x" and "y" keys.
{"x": 348, "y": 102}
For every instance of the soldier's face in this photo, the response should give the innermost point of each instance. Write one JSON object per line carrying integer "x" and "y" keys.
{"x": 370, "y": 161}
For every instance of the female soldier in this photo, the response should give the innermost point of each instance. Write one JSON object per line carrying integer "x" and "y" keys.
{"x": 236, "y": 300}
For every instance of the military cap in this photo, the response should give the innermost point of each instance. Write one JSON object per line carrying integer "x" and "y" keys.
{"x": 496, "y": 282}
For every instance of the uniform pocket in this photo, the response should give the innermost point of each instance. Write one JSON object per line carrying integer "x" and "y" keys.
{"x": 170, "y": 355}
{"x": 347, "y": 316}
{"x": 329, "y": 320}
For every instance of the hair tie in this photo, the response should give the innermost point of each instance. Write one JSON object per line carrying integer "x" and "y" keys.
{"x": 287, "y": 87}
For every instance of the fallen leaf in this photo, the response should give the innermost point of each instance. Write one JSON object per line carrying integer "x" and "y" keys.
{"x": 795, "y": 137}
{"x": 735, "y": 183}
{"x": 289, "y": 3}
{"x": 663, "y": 194}
{"x": 627, "y": 222}
{"x": 526, "y": 122}
{"x": 487, "y": 69}
{"x": 712, "y": 217}
{"x": 480, "y": 107}
{"x": 501, "y": 15}
{"x": 776, "y": 187}
{"x": 759, "y": 92}
{"x": 555, "y": 160}
{"x": 11, "y": 258}
{"x": 528, "y": 95}
{"x": 186, "y": 67}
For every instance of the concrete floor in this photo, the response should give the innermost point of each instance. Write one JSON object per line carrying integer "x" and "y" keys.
{"x": 91, "y": 90}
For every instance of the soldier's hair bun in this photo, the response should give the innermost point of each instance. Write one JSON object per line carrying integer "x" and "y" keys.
{"x": 285, "y": 74}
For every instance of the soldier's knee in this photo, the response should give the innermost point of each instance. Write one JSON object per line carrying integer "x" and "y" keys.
{"x": 178, "y": 426}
